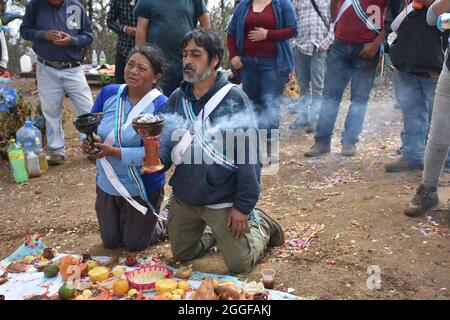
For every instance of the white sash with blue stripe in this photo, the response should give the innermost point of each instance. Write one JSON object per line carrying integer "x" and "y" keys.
{"x": 109, "y": 170}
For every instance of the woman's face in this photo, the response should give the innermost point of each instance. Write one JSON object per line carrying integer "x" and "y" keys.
{"x": 139, "y": 72}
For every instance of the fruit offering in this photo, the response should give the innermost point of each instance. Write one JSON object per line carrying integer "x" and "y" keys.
{"x": 51, "y": 271}
{"x": 66, "y": 293}
{"x": 98, "y": 274}
{"x": 165, "y": 286}
{"x": 120, "y": 287}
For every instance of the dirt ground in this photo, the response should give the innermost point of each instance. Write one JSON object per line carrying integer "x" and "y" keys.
{"x": 359, "y": 204}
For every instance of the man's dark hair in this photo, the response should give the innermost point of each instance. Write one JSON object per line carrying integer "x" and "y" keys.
{"x": 153, "y": 54}
{"x": 208, "y": 40}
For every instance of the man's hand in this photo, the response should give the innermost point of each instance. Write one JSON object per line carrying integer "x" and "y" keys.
{"x": 370, "y": 50}
{"x": 130, "y": 31}
{"x": 52, "y": 35}
{"x": 238, "y": 222}
{"x": 237, "y": 63}
{"x": 259, "y": 34}
{"x": 64, "y": 41}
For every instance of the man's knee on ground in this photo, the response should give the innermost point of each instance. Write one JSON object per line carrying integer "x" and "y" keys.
{"x": 240, "y": 267}
{"x": 239, "y": 263}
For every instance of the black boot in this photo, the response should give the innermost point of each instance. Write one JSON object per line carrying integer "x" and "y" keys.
{"x": 424, "y": 199}
{"x": 276, "y": 232}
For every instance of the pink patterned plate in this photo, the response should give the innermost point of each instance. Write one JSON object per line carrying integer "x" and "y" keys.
{"x": 144, "y": 279}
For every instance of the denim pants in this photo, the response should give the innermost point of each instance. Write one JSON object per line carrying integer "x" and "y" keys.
{"x": 52, "y": 83}
{"x": 345, "y": 64}
{"x": 439, "y": 138}
{"x": 415, "y": 94}
{"x": 310, "y": 72}
{"x": 264, "y": 86}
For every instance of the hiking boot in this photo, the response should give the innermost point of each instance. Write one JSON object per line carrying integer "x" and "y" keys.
{"x": 318, "y": 149}
{"x": 276, "y": 232}
{"x": 348, "y": 150}
{"x": 424, "y": 199}
{"x": 403, "y": 164}
{"x": 55, "y": 159}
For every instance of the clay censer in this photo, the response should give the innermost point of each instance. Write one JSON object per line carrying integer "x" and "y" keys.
{"x": 87, "y": 123}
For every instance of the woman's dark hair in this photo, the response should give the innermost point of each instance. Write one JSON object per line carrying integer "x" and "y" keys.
{"x": 153, "y": 54}
{"x": 208, "y": 40}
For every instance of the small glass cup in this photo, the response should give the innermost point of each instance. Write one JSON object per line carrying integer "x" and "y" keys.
{"x": 268, "y": 278}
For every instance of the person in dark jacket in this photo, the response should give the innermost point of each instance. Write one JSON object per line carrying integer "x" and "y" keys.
{"x": 60, "y": 31}
{"x": 436, "y": 153}
{"x": 214, "y": 195}
{"x": 123, "y": 22}
{"x": 417, "y": 52}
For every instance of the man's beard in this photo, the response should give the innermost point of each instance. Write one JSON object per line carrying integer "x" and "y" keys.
{"x": 197, "y": 77}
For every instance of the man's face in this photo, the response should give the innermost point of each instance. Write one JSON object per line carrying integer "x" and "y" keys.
{"x": 196, "y": 66}
{"x": 56, "y": 3}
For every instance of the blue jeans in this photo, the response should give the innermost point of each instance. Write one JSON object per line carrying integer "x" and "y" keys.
{"x": 52, "y": 84}
{"x": 310, "y": 72}
{"x": 264, "y": 86}
{"x": 345, "y": 64}
{"x": 415, "y": 95}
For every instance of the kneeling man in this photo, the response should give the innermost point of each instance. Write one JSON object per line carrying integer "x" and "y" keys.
{"x": 214, "y": 198}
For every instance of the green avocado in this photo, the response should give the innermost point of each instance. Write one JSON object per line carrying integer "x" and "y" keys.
{"x": 66, "y": 293}
{"x": 51, "y": 271}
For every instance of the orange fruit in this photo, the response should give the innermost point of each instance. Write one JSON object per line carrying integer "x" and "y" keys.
{"x": 120, "y": 287}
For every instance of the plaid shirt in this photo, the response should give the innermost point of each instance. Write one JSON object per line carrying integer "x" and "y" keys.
{"x": 312, "y": 31}
{"x": 120, "y": 15}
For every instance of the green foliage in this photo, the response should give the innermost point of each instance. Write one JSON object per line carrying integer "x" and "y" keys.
{"x": 105, "y": 80}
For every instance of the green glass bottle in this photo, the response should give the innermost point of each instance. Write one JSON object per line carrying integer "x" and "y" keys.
{"x": 17, "y": 161}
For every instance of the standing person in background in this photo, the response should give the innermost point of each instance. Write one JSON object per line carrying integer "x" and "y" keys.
{"x": 416, "y": 76}
{"x": 165, "y": 23}
{"x": 3, "y": 54}
{"x": 122, "y": 21}
{"x": 314, "y": 38}
{"x": 59, "y": 30}
{"x": 258, "y": 43}
{"x": 436, "y": 153}
{"x": 354, "y": 56}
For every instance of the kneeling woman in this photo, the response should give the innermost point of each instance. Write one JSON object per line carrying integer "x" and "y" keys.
{"x": 127, "y": 202}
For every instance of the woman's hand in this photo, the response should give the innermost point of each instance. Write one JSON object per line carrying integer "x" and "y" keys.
{"x": 259, "y": 34}
{"x": 86, "y": 145}
{"x": 106, "y": 150}
{"x": 237, "y": 63}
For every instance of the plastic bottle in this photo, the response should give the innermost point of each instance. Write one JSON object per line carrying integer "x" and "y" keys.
{"x": 17, "y": 162}
{"x": 29, "y": 137}
{"x": 25, "y": 64}
{"x": 94, "y": 59}
{"x": 43, "y": 162}
{"x": 443, "y": 23}
{"x": 33, "y": 165}
{"x": 102, "y": 58}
